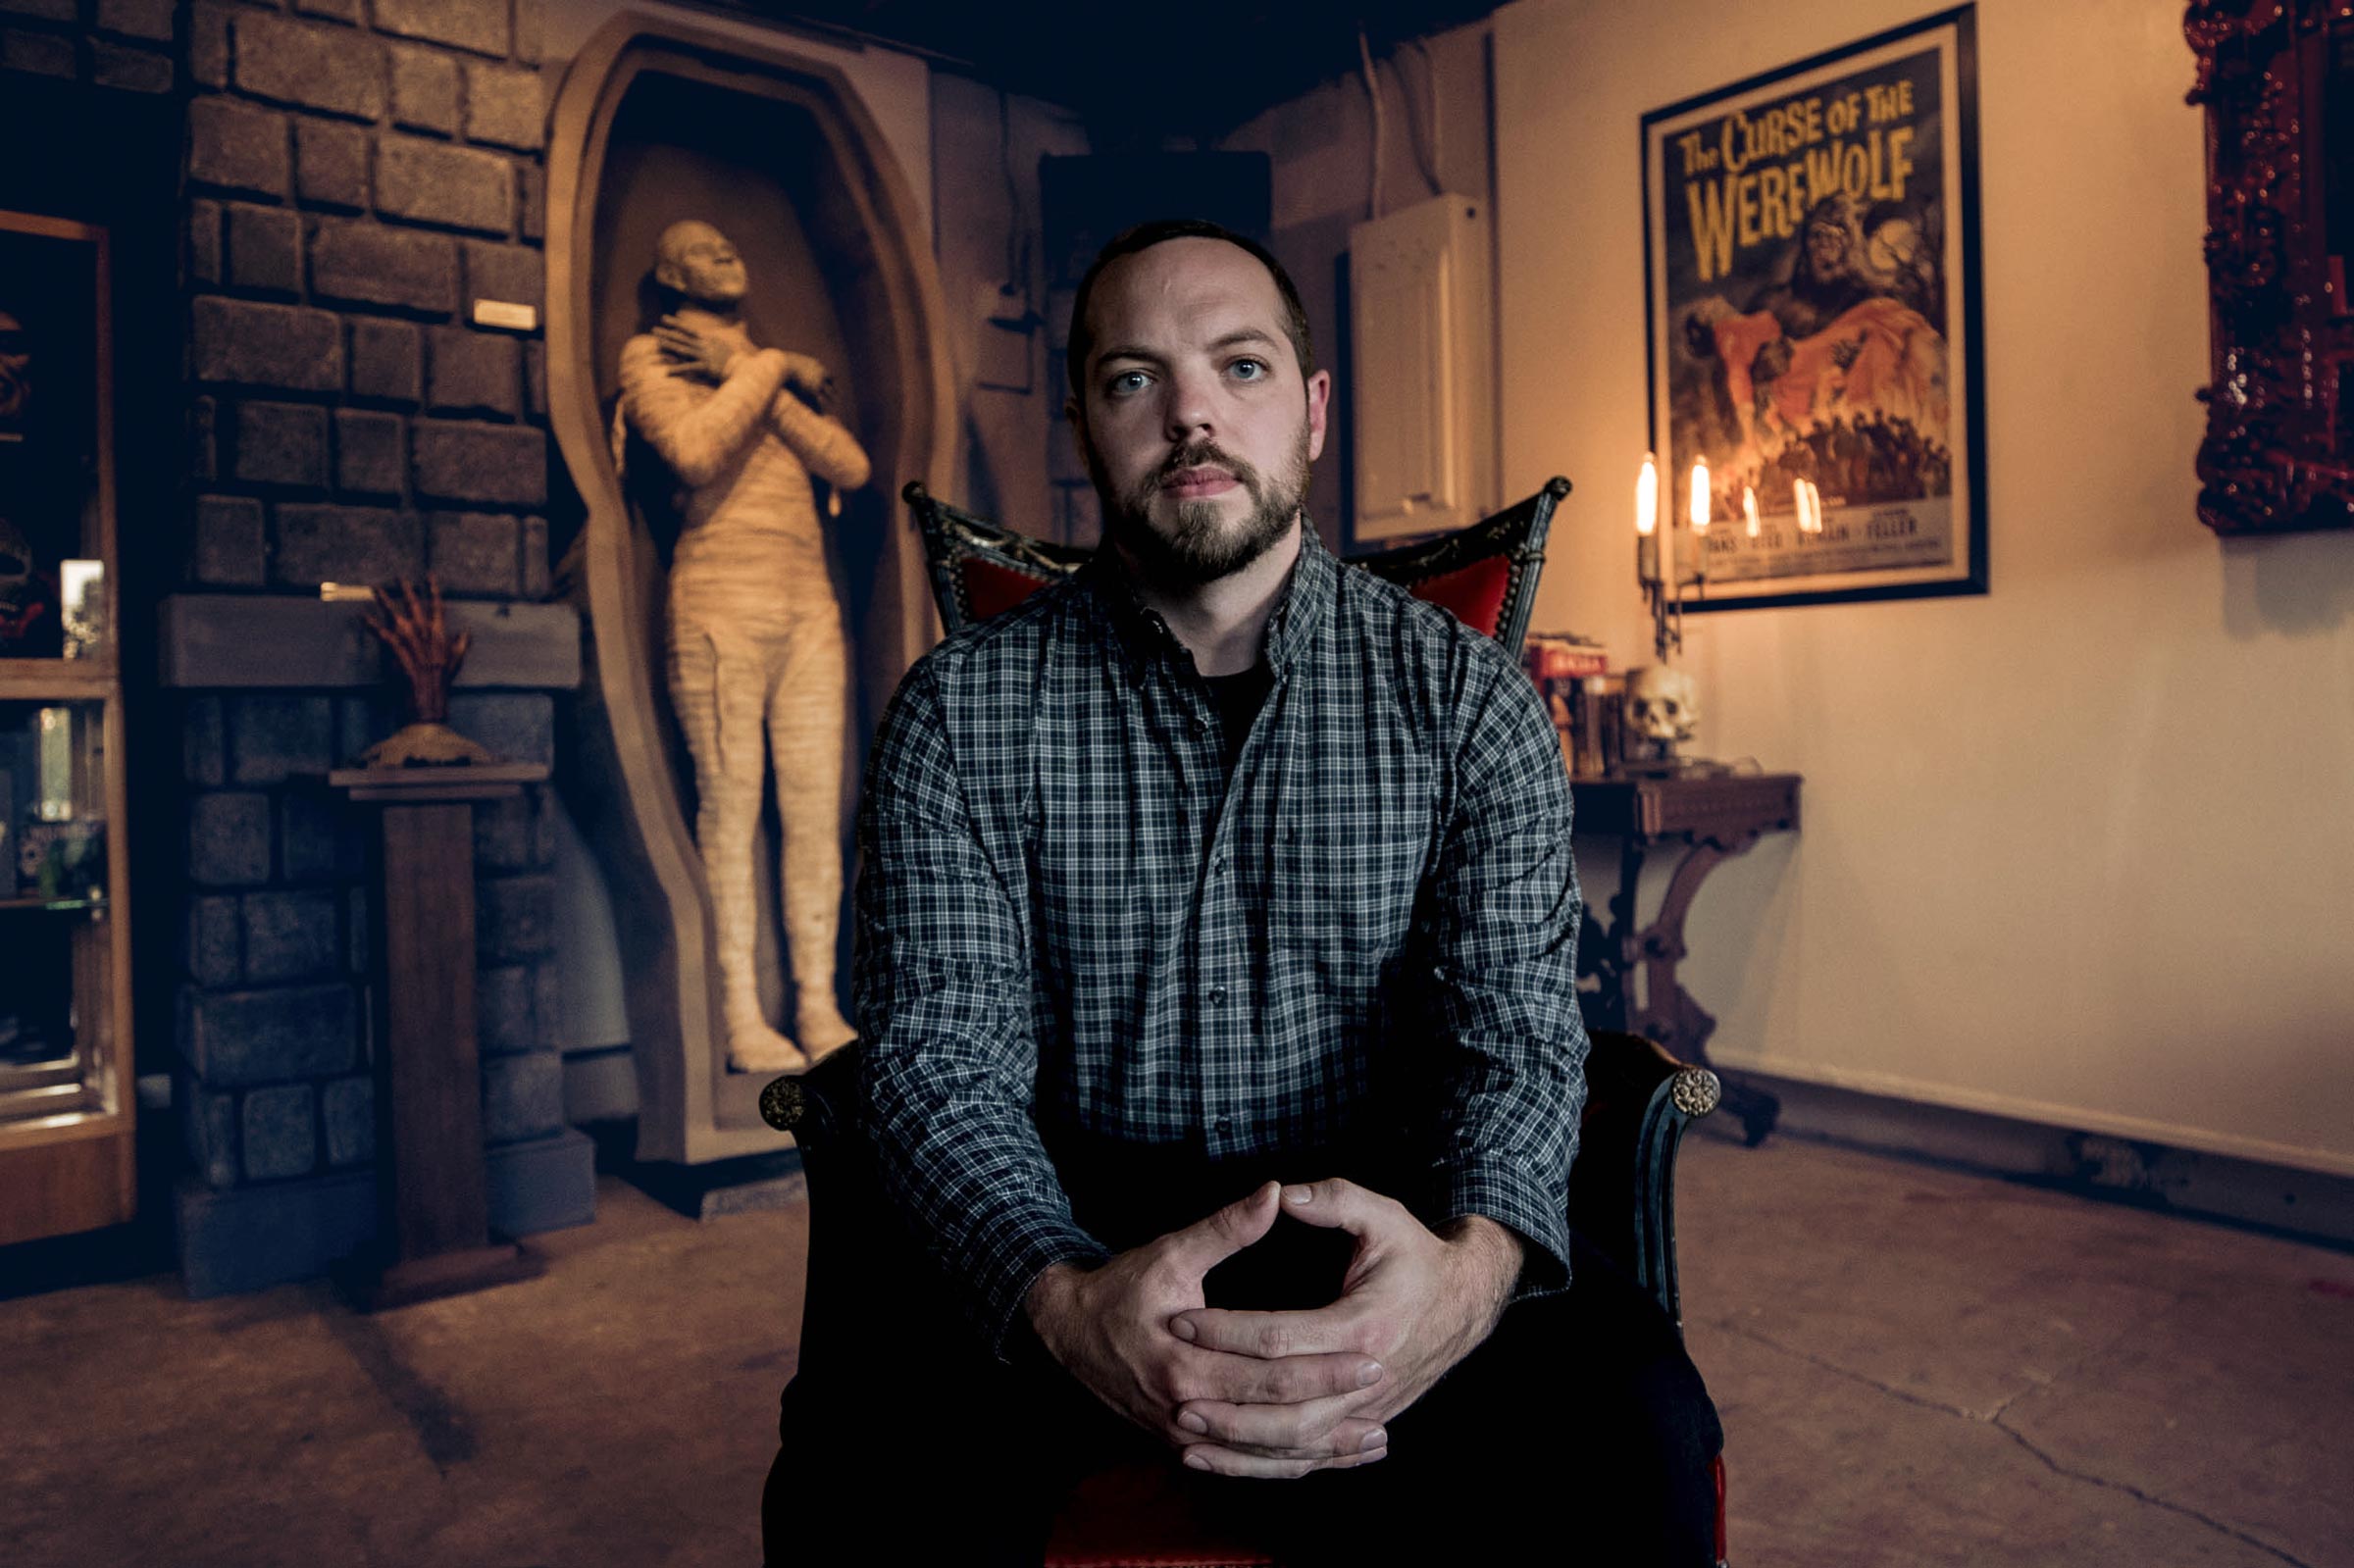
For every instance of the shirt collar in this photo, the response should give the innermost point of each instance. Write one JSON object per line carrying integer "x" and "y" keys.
{"x": 1141, "y": 635}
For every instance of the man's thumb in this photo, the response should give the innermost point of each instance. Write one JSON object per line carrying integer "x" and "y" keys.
{"x": 1205, "y": 1243}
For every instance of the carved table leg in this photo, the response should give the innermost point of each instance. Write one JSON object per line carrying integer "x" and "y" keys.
{"x": 1668, "y": 1013}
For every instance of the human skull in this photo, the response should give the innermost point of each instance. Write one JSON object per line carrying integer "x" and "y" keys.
{"x": 1663, "y": 704}
{"x": 16, "y": 369}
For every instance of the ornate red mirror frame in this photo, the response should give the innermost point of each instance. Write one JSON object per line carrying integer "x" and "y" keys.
{"x": 2279, "y": 454}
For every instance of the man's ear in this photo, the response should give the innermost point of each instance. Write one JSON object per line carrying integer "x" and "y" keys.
{"x": 667, "y": 274}
{"x": 1319, "y": 411}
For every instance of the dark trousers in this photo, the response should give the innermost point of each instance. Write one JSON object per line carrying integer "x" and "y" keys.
{"x": 1578, "y": 1433}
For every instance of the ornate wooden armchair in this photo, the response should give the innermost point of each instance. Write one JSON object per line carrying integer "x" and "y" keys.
{"x": 1639, "y": 1099}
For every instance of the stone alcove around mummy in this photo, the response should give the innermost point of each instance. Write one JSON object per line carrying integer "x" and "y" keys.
{"x": 656, "y": 123}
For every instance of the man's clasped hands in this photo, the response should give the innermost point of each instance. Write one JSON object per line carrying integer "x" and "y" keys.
{"x": 1279, "y": 1395}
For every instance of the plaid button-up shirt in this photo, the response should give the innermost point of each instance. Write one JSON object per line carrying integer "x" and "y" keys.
{"x": 1073, "y": 920}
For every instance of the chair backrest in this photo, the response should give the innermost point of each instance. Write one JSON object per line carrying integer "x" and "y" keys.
{"x": 1486, "y": 574}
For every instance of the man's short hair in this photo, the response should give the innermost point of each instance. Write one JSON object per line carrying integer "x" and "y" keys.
{"x": 1160, "y": 230}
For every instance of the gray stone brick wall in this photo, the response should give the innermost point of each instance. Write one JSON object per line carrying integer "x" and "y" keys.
{"x": 354, "y": 190}
{"x": 360, "y": 172}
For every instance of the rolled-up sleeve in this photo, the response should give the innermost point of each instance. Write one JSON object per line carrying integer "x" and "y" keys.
{"x": 942, "y": 995}
{"x": 1503, "y": 930}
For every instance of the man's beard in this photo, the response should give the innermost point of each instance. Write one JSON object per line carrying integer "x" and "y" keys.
{"x": 1200, "y": 547}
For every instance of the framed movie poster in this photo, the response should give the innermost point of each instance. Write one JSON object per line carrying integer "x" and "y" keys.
{"x": 1810, "y": 254}
{"x": 56, "y": 472}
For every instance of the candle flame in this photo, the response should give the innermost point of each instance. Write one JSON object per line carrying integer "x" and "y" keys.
{"x": 1699, "y": 497}
{"x": 1749, "y": 509}
{"x": 1647, "y": 498}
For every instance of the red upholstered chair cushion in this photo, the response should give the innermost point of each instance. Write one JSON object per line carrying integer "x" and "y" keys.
{"x": 990, "y": 588}
{"x": 1475, "y": 592}
{"x": 1136, "y": 1515}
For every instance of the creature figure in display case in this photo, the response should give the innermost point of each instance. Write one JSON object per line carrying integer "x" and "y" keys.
{"x": 26, "y": 593}
{"x": 758, "y": 662}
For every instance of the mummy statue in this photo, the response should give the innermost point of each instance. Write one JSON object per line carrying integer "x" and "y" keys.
{"x": 758, "y": 669}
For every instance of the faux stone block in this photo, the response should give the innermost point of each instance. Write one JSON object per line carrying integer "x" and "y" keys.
{"x": 513, "y": 918}
{"x": 136, "y": 19}
{"x": 208, "y": 45}
{"x": 492, "y": 465}
{"x": 503, "y": 834}
{"x": 511, "y": 273}
{"x": 274, "y": 737}
{"x": 425, "y": 90}
{"x": 129, "y": 66}
{"x": 357, "y": 918}
{"x": 291, "y": 936}
{"x": 502, "y": 1010}
{"x": 370, "y": 458}
{"x": 281, "y": 443}
{"x": 340, "y": 10}
{"x": 518, "y": 725}
{"x": 468, "y": 23}
{"x": 387, "y": 361}
{"x": 473, "y": 373}
{"x": 548, "y": 1005}
{"x": 205, "y": 261}
{"x": 228, "y": 839}
{"x": 320, "y": 837}
{"x": 368, "y": 264}
{"x": 534, "y": 379}
{"x": 231, "y": 547}
{"x": 329, "y": 68}
{"x": 535, "y": 580}
{"x": 532, "y": 188}
{"x": 347, "y": 1118}
{"x": 204, "y": 465}
{"x": 208, "y": 1128}
{"x": 46, "y": 9}
{"x": 427, "y": 182}
{"x": 238, "y": 147}
{"x": 204, "y": 742}
{"x": 212, "y": 954}
{"x": 265, "y": 252}
{"x": 347, "y": 544}
{"x": 279, "y": 1128}
{"x": 473, "y": 552}
{"x": 505, "y": 106}
{"x": 523, "y": 1097}
{"x": 38, "y": 54}
{"x": 259, "y": 1036}
{"x": 330, "y": 164}
{"x": 285, "y": 347}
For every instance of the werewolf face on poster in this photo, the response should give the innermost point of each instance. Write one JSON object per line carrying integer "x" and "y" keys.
{"x": 1803, "y": 317}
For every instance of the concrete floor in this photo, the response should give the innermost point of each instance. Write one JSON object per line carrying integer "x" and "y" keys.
{"x": 1914, "y": 1367}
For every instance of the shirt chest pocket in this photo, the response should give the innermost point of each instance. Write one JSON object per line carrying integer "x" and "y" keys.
{"x": 1349, "y": 888}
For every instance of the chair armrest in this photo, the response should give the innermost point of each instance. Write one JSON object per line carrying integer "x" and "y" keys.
{"x": 1639, "y": 1099}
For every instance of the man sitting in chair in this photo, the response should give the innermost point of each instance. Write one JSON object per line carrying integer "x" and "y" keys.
{"x": 1218, "y": 928}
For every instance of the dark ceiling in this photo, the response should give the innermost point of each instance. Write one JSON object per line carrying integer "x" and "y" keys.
{"x": 1137, "y": 74}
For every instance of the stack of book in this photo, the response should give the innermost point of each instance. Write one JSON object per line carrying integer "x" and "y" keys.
{"x": 1586, "y": 700}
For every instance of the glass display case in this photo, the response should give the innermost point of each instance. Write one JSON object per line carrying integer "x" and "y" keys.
{"x": 67, "y": 1102}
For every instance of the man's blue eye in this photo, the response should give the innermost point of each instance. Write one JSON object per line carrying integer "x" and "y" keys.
{"x": 1128, "y": 381}
{"x": 1250, "y": 370}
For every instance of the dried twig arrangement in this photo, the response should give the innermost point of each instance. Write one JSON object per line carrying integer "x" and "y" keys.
{"x": 417, "y": 633}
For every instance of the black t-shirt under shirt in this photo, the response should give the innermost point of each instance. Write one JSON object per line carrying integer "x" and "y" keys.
{"x": 1239, "y": 697}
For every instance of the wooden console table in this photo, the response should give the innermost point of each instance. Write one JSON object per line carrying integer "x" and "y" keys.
{"x": 435, "y": 1238}
{"x": 1713, "y": 817}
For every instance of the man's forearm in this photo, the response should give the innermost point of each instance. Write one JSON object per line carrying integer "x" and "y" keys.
{"x": 1488, "y": 1255}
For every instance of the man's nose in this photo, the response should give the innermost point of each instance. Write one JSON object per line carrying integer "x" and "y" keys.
{"x": 1187, "y": 412}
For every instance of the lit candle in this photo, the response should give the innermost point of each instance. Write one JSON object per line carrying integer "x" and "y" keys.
{"x": 1700, "y": 496}
{"x": 1748, "y": 508}
{"x": 1647, "y": 498}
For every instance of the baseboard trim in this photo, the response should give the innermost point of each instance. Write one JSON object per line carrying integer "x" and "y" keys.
{"x": 2316, "y": 1206}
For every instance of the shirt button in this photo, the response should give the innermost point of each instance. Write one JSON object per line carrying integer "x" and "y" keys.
{"x": 1217, "y": 995}
{"x": 1219, "y": 864}
{"x": 1224, "y": 1123}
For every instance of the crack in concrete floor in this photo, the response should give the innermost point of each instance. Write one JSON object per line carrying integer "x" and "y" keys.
{"x": 1994, "y": 1419}
{"x": 444, "y": 1431}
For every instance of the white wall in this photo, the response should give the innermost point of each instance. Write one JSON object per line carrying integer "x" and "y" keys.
{"x": 1323, "y": 147}
{"x": 2082, "y": 850}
